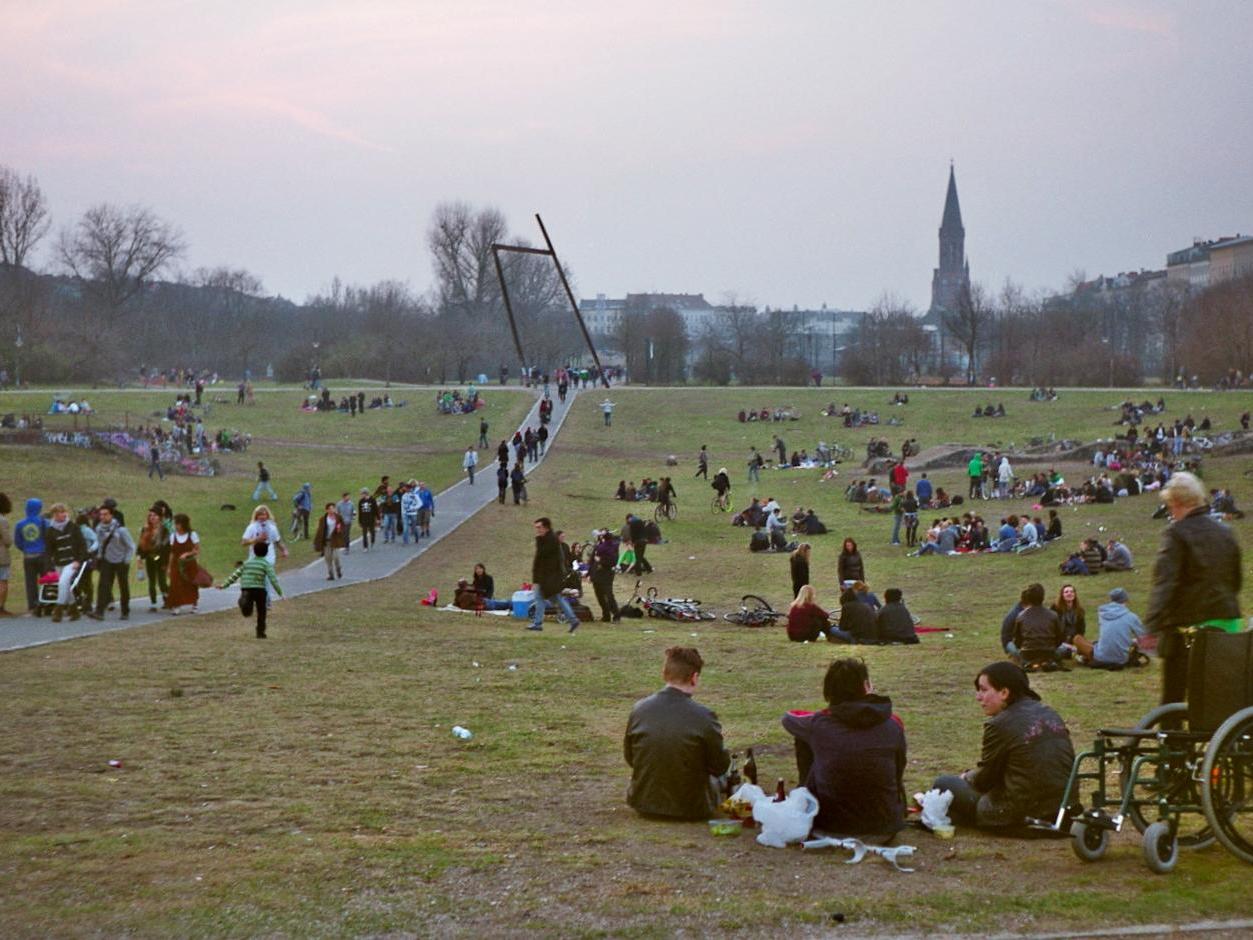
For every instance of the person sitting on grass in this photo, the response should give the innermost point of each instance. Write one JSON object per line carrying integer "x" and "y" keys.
{"x": 1025, "y": 762}
{"x": 1115, "y": 645}
{"x": 812, "y": 525}
{"x": 1037, "y": 631}
{"x": 806, "y": 621}
{"x": 674, "y": 746}
{"x": 759, "y": 541}
{"x": 895, "y": 622}
{"x": 1072, "y": 617}
{"x": 857, "y": 622}
{"x": 851, "y": 755}
{"x": 252, "y": 576}
{"x": 1117, "y": 557}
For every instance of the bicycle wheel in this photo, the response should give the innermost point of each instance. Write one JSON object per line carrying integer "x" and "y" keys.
{"x": 753, "y": 604}
{"x": 737, "y": 617}
{"x": 717, "y": 505}
{"x": 1227, "y": 784}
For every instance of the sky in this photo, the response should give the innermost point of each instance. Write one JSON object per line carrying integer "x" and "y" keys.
{"x": 785, "y": 153}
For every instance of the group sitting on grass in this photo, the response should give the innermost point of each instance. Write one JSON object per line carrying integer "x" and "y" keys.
{"x": 969, "y": 534}
{"x": 851, "y": 754}
{"x": 1041, "y": 638}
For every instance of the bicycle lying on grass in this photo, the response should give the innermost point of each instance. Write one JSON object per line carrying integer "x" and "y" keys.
{"x": 754, "y": 612}
{"x": 684, "y": 609}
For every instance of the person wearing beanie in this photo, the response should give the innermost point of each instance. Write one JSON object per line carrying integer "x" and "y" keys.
{"x": 1025, "y": 761}
{"x": 1116, "y": 643}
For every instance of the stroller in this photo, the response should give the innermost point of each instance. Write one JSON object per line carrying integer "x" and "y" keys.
{"x": 48, "y": 583}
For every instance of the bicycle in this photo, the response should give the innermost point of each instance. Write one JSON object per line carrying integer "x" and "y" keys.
{"x": 668, "y": 511}
{"x": 683, "y": 609}
{"x": 754, "y": 612}
{"x": 721, "y": 503}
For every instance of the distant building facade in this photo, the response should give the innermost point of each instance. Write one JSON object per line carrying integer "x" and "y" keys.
{"x": 1206, "y": 263}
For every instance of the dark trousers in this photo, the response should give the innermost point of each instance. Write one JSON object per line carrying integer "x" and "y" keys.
{"x": 109, "y": 571}
{"x": 965, "y": 808}
{"x": 602, "y": 584}
{"x": 702, "y": 471}
{"x": 157, "y": 571}
{"x": 304, "y": 522}
{"x": 500, "y": 497}
{"x": 974, "y": 488}
{"x": 641, "y": 563}
{"x": 1173, "y": 651}
{"x": 347, "y": 537}
{"x": 367, "y": 532}
{"x": 250, "y": 598}
{"x": 33, "y": 568}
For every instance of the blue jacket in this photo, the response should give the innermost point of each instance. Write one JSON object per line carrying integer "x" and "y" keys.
{"x": 1119, "y": 629}
{"x": 304, "y": 498}
{"x": 28, "y": 535}
{"x": 923, "y": 489}
{"x": 427, "y": 497}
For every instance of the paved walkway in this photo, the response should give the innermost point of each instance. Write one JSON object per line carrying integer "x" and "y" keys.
{"x": 454, "y": 506}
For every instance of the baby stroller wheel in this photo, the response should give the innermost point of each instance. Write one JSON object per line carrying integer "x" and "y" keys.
{"x": 1161, "y": 848}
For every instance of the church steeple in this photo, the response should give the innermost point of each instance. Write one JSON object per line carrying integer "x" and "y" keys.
{"x": 953, "y": 274}
{"x": 952, "y": 221}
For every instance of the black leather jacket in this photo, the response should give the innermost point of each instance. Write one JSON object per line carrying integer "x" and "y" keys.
{"x": 1197, "y": 574}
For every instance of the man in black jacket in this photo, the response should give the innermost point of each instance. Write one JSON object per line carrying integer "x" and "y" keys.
{"x": 547, "y": 576}
{"x": 896, "y": 623}
{"x": 368, "y": 516}
{"x": 1196, "y": 580}
{"x": 674, "y": 746}
{"x": 638, "y": 531}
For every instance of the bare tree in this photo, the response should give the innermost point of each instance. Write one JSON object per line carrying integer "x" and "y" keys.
{"x": 116, "y": 252}
{"x": 460, "y": 240}
{"x": 969, "y": 324}
{"x": 23, "y": 216}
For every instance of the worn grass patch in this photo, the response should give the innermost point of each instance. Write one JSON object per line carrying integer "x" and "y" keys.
{"x": 310, "y": 785}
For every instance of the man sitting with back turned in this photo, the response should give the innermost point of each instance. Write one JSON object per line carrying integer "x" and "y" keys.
{"x": 674, "y": 746}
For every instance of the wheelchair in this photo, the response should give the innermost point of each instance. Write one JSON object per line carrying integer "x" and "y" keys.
{"x": 1183, "y": 775}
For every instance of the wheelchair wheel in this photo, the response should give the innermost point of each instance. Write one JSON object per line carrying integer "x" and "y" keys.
{"x": 1088, "y": 842}
{"x": 1181, "y": 789}
{"x": 1161, "y": 848}
{"x": 1227, "y": 784}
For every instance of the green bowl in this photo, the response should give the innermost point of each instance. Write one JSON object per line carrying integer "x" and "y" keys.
{"x": 726, "y": 827}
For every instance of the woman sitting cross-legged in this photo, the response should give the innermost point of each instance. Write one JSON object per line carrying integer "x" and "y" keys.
{"x": 1025, "y": 761}
{"x": 806, "y": 621}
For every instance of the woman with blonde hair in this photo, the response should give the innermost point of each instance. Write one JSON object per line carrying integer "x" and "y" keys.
{"x": 806, "y": 621}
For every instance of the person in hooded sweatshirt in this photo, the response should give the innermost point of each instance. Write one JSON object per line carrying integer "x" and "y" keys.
{"x": 1117, "y": 638}
{"x": 115, "y": 551}
{"x": 851, "y": 755}
{"x": 28, "y": 538}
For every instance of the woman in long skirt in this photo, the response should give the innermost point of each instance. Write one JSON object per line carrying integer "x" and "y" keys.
{"x": 184, "y": 563}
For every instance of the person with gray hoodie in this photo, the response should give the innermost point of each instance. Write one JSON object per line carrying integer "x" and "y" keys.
{"x": 116, "y": 549}
{"x": 1116, "y": 642}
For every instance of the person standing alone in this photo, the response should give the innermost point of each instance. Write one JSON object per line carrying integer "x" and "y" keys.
{"x": 702, "y": 462}
{"x": 263, "y": 484}
{"x": 470, "y": 461}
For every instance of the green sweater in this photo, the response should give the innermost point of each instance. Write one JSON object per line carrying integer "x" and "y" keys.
{"x": 253, "y": 573}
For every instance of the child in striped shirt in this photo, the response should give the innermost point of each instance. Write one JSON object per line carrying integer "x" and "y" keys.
{"x": 252, "y": 576}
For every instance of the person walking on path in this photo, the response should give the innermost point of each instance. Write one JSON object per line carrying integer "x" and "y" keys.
{"x": 67, "y": 550}
{"x": 330, "y": 540}
{"x": 426, "y": 508}
{"x": 347, "y": 512}
{"x": 469, "y": 462}
{"x": 517, "y": 482}
{"x": 368, "y": 515}
{"x": 1196, "y": 580}
{"x": 502, "y": 482}
{"x": 153, "y": 547}
{"x": 541, "y": 438}
{"x": 154, "y": 461}
{"x": 483, "y": 433}
{"x": 547, "y": 576}
{"x": 117, "y": 548}
{"x": 702, "y": 462}
{"x": 253, "y": 576}
{"x": 6, "y": 543}
{"x": 303, "y": 503}
{"x": 606, "y": 408}
{"x": 263, "y": 484}
{"x": 409, "y": 505}
{"x": 29, "y": 540}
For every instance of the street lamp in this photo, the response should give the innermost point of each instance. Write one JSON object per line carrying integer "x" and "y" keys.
{"x": 1108, "y": 343}
{"x": 17, "y": 358}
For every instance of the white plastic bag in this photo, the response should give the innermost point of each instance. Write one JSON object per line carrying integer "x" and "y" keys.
{"x": 789, "y": 821}
{"x": 935, "y": 804}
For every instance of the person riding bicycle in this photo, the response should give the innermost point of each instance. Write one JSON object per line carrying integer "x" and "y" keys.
{"x": 722, "y": 484}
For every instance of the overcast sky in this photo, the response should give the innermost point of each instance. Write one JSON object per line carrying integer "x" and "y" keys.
{"x": 792, "y": 153}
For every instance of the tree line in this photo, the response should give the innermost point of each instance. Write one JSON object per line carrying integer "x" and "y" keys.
{"x": 114, "y": 297}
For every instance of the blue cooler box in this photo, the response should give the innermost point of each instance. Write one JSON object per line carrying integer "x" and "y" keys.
{"x": 521, "y": 604}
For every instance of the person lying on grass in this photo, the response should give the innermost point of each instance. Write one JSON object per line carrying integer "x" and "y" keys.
{"x": 1025, "y": 761}
{"x": 851, "y": 755}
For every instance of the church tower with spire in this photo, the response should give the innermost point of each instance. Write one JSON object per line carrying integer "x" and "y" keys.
{"x": 952, "y": 277}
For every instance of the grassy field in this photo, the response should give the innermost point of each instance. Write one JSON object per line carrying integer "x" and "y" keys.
{"x": 333, "y": 452}
{"x": 310, "y": 785}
